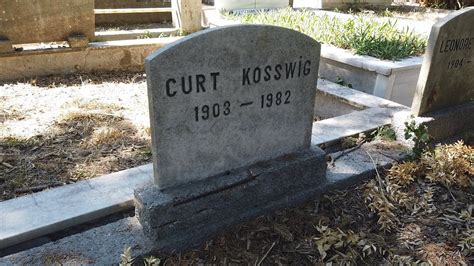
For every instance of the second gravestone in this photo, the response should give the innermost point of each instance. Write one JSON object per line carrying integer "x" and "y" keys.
{"x": 231, "y": 114}
{"x": 447, "y": 74}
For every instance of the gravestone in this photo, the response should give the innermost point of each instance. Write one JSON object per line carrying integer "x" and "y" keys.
{"x": 447, "y": 74}
{"x": 231, "y": 114}
{"x": 216, "y": 107}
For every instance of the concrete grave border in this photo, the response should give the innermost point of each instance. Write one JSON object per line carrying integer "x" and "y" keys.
{"x": 392, "y": 80}
{"x": 124, "y": 55}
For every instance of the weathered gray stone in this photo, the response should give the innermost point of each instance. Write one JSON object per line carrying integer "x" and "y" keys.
{"x": 231, "y": 131}
{"x": 182, "y": 217}
{"x": 26, "y": 21}
{"x": 446, "y": 78}
{"x": 35, "y": 215}
{"x": 250, "y": 106}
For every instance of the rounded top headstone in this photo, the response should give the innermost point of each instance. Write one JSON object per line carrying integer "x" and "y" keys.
{"x": 446, "y": 77}
{"x": 229, "y": 97}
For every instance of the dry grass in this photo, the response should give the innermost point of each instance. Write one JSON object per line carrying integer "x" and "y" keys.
{"x": 340, "y": 229}
{"x": 67, "y": 129}
{"x": 78, "y": 147}
{"x": 431, "y": 224}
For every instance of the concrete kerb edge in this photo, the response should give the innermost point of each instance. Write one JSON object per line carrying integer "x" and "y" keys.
{"x": 120, "y": 55}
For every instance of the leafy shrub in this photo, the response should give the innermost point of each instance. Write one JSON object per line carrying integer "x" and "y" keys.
{"x": 419, "y": 134}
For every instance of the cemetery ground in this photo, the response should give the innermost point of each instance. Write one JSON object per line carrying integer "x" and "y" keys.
{"x": 64, "y": 129}
{"x": 89, "y": 125}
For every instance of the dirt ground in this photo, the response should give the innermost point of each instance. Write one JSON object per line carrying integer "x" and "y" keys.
{"x": 59, "y": 130}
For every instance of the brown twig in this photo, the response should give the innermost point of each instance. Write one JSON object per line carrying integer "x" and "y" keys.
{"x": 379, "y": 179}
{"x": 345, "y": 152}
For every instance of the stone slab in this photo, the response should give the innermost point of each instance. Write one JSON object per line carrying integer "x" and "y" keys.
{"x": 446, "y": 76}
{"x": 182, "y": 217}
{"x": 103, "y": 245}
{"x": 358, "y": 99}
{"x": 356, "y": 112}
{"x": 99, "y": 246}
{"x": 133, "y": 34}
{"x": 362, "y": 121}
{"x": 255, "y": 101}
{"x": 26, "y": 21}
{"x": 369, "y": 63}
{"x": 38, "y": 214}
{"x": 126, "y": 55}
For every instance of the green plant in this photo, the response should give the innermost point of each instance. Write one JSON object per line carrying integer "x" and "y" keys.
{"x": 418, "y": 133}
{"x": 384, "y": 133}
{"x": 437, "y": 4}
{"x": 387, "y": 13}
{"x": 340, "y": 80}
{"x": 145, "y": 35}
{"x": 182, "y": 33}
{"x": 126, "y": 259}
{"x": 363, "y": 34}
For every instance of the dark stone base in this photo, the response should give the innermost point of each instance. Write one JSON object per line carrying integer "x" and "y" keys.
{"x": 450, "y": 122}
{"x": 183, "y": 217}
{"x": 444, "y": 126}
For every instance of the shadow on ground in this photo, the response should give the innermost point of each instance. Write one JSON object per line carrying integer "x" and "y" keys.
{"x": 82, "y": 145}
